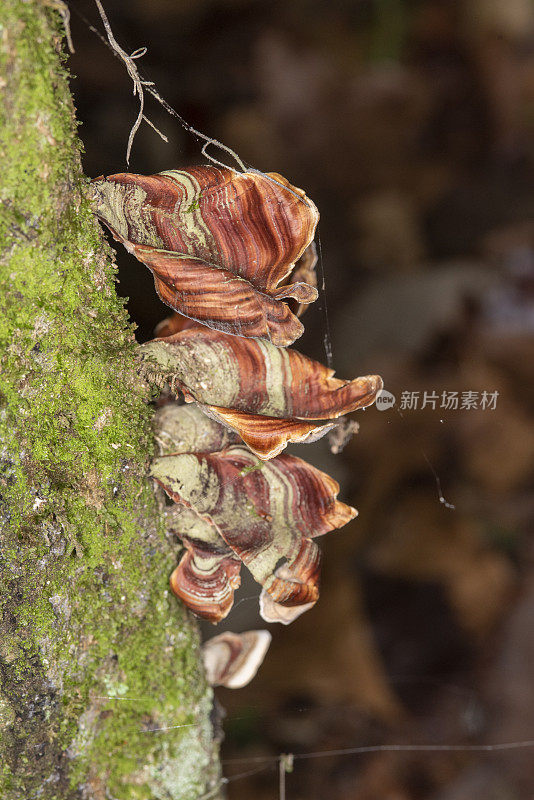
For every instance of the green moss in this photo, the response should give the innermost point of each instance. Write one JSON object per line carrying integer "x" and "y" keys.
{"x": 85, "y": 562}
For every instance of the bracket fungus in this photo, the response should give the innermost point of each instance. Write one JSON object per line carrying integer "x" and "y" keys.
{"x": 233, "y": 255}
{"x": 233, "y": 659}
{"x": 263, "y": 514}
{"x": 219, "y": 243}
{"x": 268, "y": 395}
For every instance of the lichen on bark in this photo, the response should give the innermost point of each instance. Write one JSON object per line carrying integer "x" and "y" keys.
{"x": 94, "y": 652}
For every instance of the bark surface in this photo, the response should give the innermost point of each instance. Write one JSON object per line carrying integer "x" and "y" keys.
{"x": 94, "y": 651}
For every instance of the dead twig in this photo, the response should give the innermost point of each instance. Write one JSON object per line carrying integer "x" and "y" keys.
{"x": 138, "y": 83}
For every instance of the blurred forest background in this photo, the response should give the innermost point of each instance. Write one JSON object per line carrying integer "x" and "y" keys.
{"x": 411, "y": 125}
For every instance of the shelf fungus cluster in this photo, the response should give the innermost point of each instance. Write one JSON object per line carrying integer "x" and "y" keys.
{"x": 233, "y": 509}
{"x": 233, "y": 255}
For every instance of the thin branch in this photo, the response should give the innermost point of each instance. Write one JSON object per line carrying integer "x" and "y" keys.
{"x": 149, "y": 86}
{"x": 138, "y": 83}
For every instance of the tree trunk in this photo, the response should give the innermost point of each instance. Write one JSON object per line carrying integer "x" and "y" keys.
{"x": 94, "y": 652}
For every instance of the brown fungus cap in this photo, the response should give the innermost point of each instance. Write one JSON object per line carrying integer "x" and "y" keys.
{"x": 219, "y": 243}
{"x": 233, "y": 659}
{"x": 268, "y": 395}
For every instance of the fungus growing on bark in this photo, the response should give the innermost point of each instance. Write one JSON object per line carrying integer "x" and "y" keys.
{"x": 233, "y": 255}
{"x": 265, "y": 514}
{"x": 219, "y": 243}
{"x": 233, "y": 659}
{"x": 268, "y": 395}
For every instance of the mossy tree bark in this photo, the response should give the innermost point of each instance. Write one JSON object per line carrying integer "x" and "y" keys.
{"x": 94, "y": 653}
